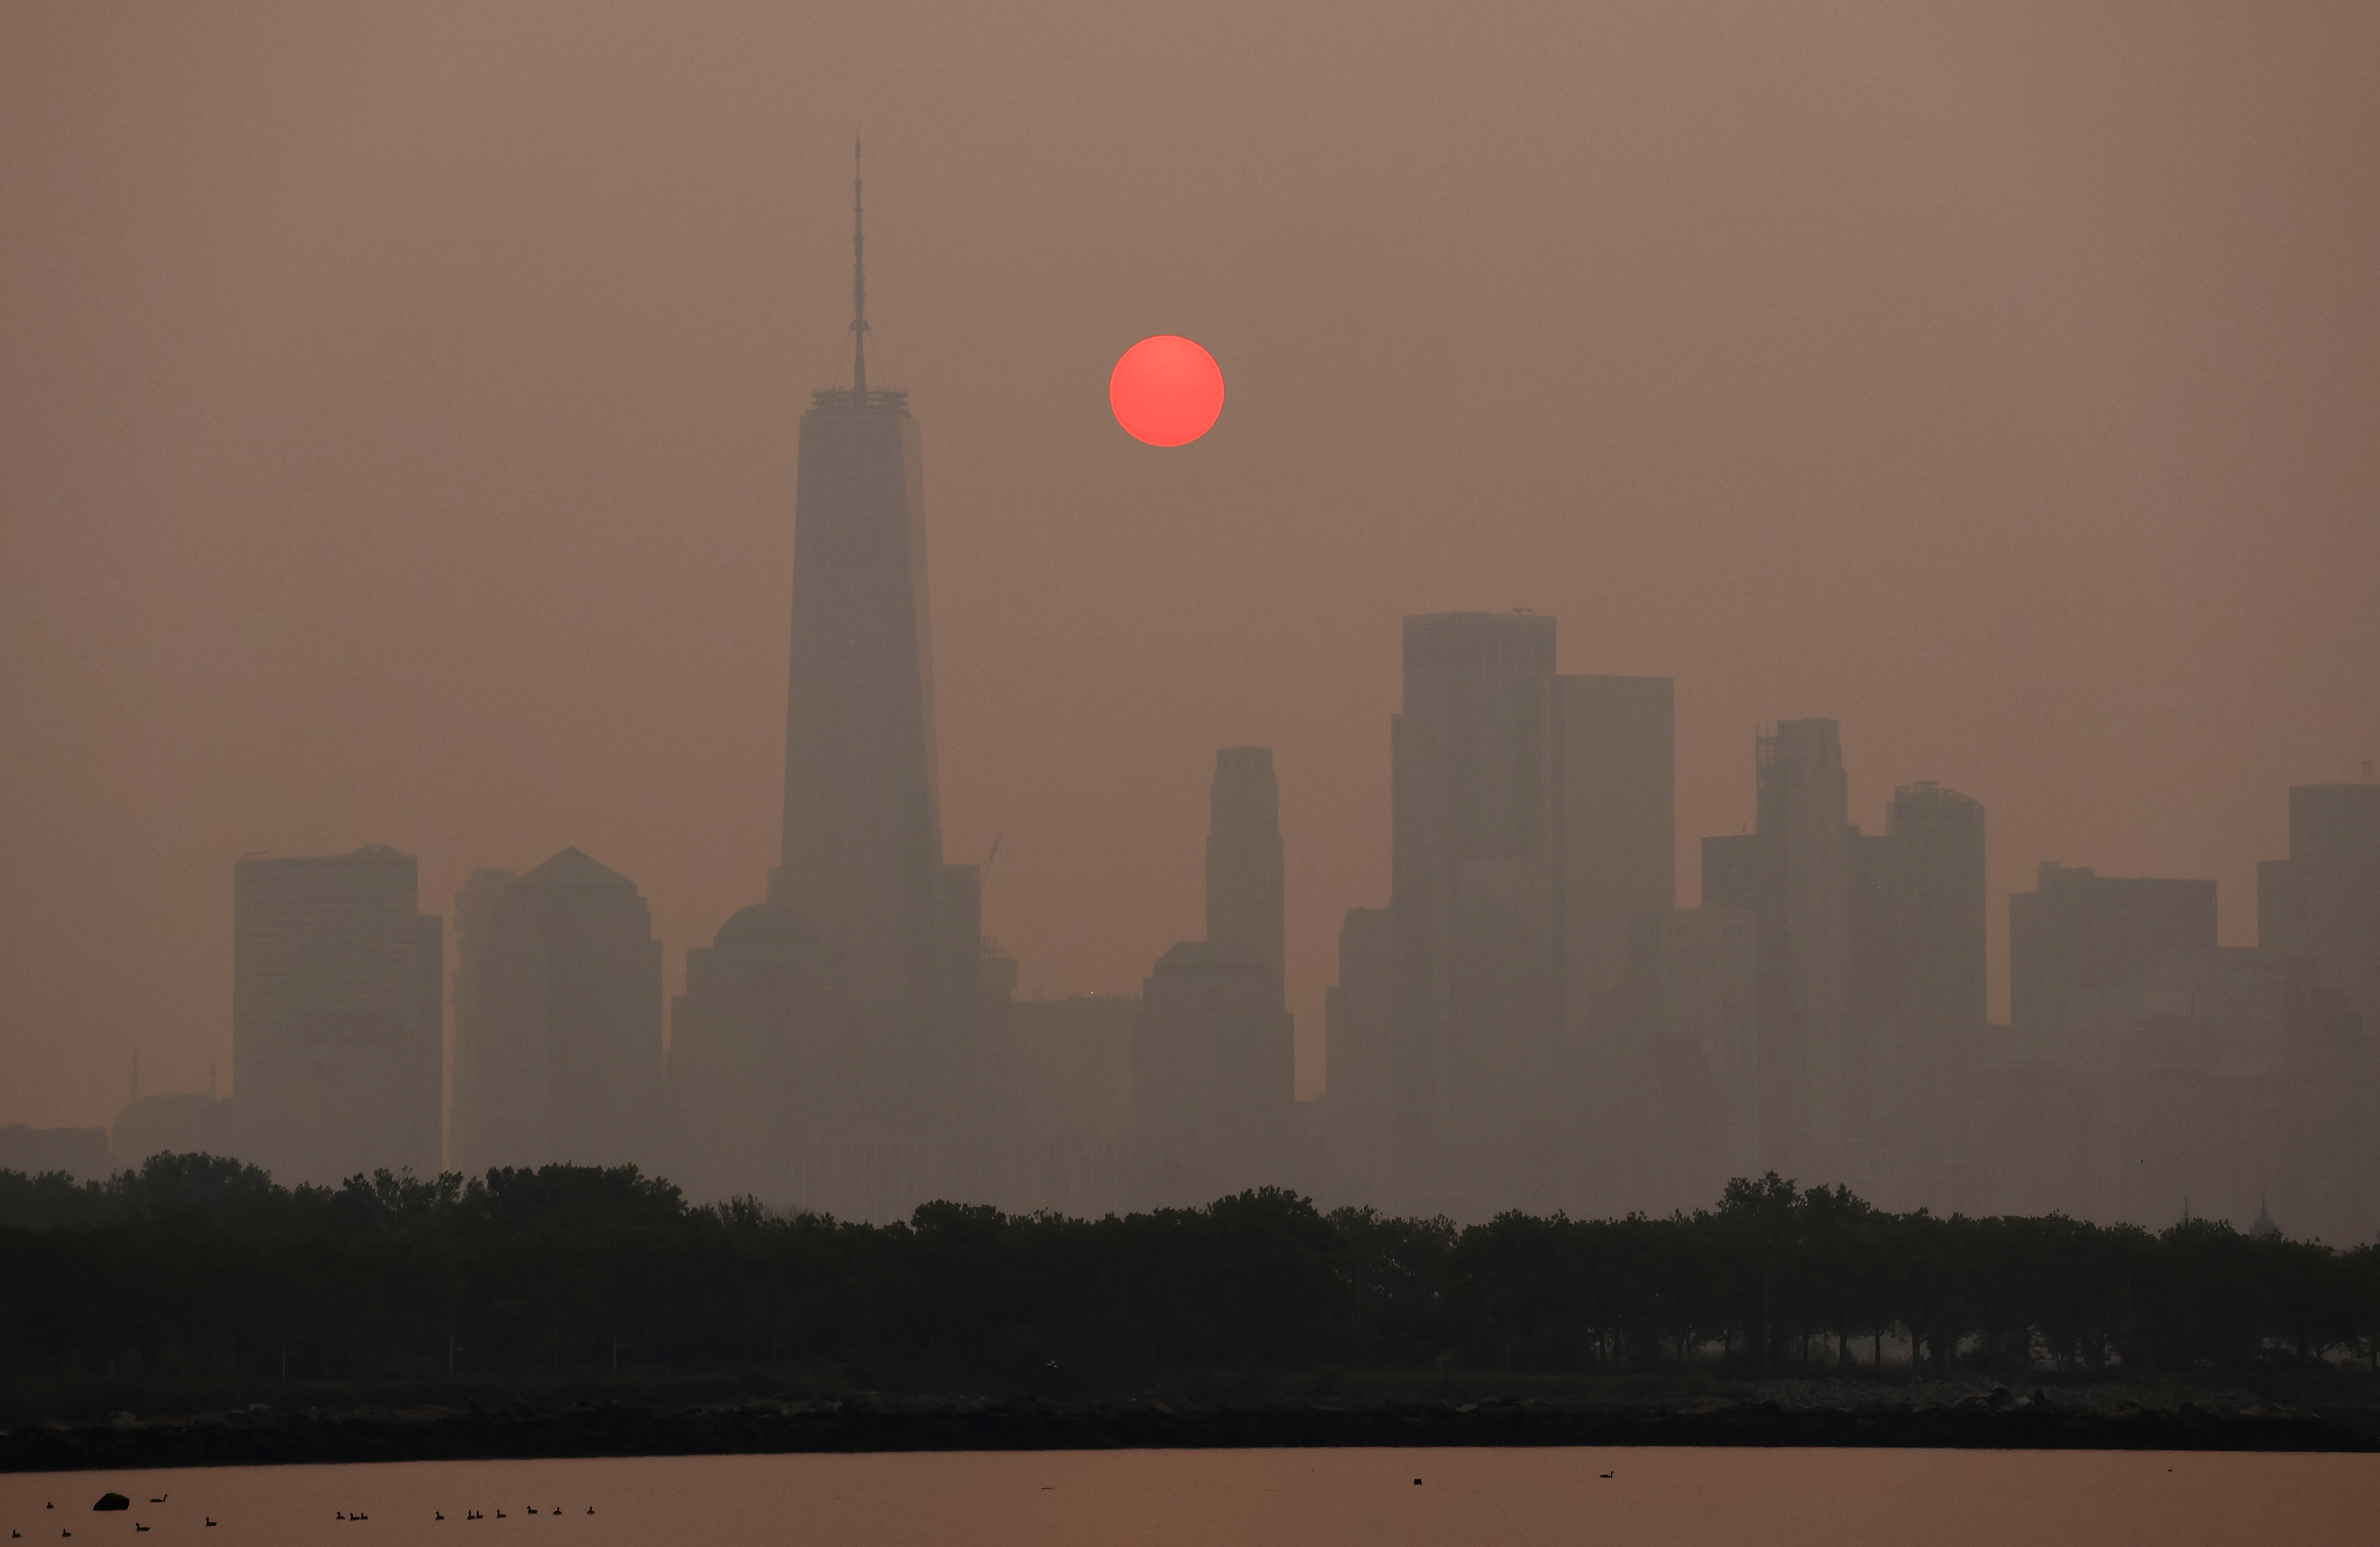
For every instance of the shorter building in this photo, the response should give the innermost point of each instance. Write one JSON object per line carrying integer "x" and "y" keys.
{"x": 81, "y": 1153}
{"x": 172, "y": 1125}
{"x": 2322, "y": 904}
{"x": 1359, "y": 1018}
{"x": 2080, "y": 933}
{"x": 338, "y": 1016}
{"x": 1710, "y": 999}
{"x": 756, "y": 1043}
{"x": 1069, "y": 1074}
{"x": 557, "y": 1019}
{"x": 1213, "y": 1080}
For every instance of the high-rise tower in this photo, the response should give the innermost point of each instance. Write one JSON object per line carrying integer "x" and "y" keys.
{"x": 1470, "y": 883}
{"x": 1243, "y": 856}
{"x": 862, "y": 863}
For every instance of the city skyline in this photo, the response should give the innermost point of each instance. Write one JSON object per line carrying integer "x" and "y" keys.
{"x": 409, "y": 511}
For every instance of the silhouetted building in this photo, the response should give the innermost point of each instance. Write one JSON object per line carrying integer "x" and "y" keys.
{"x": 337, "y": 1019}
{"x": 183, "y": 1123}
{"x": 862, "y": 860}
{"x": 1244, "y": 854}
{"x": 1935, "y": 1008}
{"x": 1871, "y": 988}
{"x": 1679, "y": 1114}
{"x": 1358, "y": 1015}
{"x": 2322, "y": 904}
{"x": 81, "y": 1153}
{"x": 1939, "y": 908}
{"x": 758, "y": 1045}
{"x": 558, "y": 1054}
{"x": 1213, "y": 1083}
{"x": 1614, "y": 749}
{"x": 2079, "y": 932}
{"x": 1069, "y": 1067}
{"x": 1710, "y": 977}
{"x": 1792, "y": 872}
{"x": 1476, "y": 1045}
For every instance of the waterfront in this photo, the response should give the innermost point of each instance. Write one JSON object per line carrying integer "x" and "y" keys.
{"x": 1255, "y": 1498}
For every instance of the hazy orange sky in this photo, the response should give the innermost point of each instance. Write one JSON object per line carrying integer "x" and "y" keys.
{"x": 397, "y": 409}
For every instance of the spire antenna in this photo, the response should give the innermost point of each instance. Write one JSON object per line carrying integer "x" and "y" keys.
{"x": 858, "y": 284}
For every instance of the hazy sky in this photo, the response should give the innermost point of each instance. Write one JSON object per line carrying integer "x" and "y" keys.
{"x": 398, "y": 422}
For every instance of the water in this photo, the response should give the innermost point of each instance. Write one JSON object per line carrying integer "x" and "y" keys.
{"x": 1309, "y": 1498}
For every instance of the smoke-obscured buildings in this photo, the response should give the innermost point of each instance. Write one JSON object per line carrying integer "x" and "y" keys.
{"x": 1534, "y": 824}
{"x": 557, "y": 1019}
{"x": 1244, "y": 886}
{"x": 2322, "y": 904}
{"x": 337, "y": 1016}
{"x": 1213, "y": 1075}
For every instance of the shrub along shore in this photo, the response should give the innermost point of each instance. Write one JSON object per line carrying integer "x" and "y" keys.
{"x": 199, "y": 1276}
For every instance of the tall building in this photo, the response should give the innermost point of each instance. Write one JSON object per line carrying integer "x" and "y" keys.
{"x": 862, "y": 859}
{"x": 557, "y": 1019}
{"x": 1357, "y": 1016}
{"x": 1871, "y": 991}
{"x": 2079, "y": 932}
{"x": 1477, "y": 1034}
{"x": 337, "y": 1020}
{"x": 1615, "y": 811}
{"x": 2322, "y": 904}
{"x": 1935, "y": 912}
{"x": 1792, "y": 872}
{"x": 1244, "y": 853}
{"x": 1938, "y": 907}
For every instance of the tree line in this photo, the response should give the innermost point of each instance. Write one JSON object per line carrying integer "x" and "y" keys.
{"x": 203, "y": 1268}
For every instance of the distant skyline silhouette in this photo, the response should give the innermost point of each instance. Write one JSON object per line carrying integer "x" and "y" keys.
{"x": 401, "y": 442}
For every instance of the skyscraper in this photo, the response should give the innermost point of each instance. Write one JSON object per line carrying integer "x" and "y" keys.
{"x": 1244, "y": 853}
{"x": 1471, "y": 884}
{"x": 1937, "y": 908}
{"x": 1792, "y": 872}
{"x": 1937, "y": 1008}
{"x": 337, "y": 1019}
{"x": 1357, "y": 1015}
{"x": 2322, "y": 904}
{"x": 2080, "y": 933}
{"x": 1616, "y": 815}
{"x": 557, "y": 1019}
{"x": 862, "y": 859}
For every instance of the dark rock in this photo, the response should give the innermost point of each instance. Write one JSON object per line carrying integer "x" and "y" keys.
{"x": 113, "y": 1501}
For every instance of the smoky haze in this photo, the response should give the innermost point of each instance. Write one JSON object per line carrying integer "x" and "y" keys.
{"x": 397, "y": 418}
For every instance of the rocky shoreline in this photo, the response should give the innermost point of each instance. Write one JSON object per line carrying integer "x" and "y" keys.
{"x": 1791, "y": 1414}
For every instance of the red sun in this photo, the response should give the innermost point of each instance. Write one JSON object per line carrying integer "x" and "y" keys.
{"x": 1166, "y": 391}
